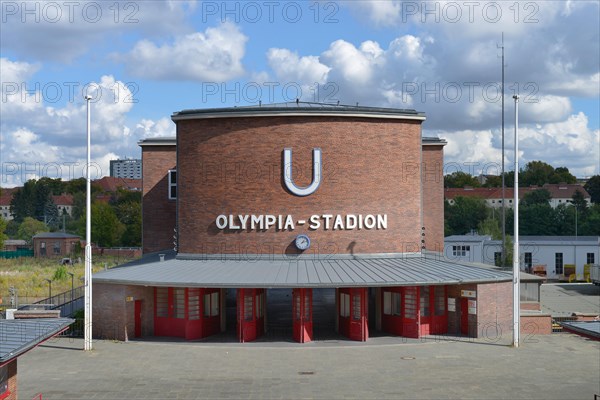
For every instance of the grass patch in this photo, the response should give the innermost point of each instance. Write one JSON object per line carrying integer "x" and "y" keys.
{"x": 28, "y": 276}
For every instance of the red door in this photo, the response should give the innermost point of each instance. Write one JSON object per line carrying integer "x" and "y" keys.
{"x": 425, "y": 310}
{"x": 464, "y": 316}
{"x": 353, "y": 313}
{"x": 170, "y": 312}
{"x": 137, "y": 319}
{"x": 439, "y": 310}
{"x": 391, "y": 319}
{"x": 302, "y": 315}
{"x": 250, "y": 318}
{"x": 410, "y": 312}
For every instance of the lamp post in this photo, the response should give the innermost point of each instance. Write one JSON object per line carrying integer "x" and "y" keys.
{"x": 49, "y": 288}
{"x": 72, "y": 276}
{"x": 87, "y": 320}
{"x": 516, "y": 268}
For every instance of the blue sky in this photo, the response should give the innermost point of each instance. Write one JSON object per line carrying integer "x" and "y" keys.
{"x": 144, "y": 60}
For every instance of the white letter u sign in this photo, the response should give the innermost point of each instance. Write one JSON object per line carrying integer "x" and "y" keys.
{"x": 287, "y": 173}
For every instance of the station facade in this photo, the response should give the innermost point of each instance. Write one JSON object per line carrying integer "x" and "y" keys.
{"x": 336, "y": 203}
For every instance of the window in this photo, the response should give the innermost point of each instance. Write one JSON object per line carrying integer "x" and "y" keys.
{"x": 461, "y": 251}
{"x": 590, "y": 258}
{"x": 43, "y": 248}
{"x": 391, "y": 303}
{"x": 344, "y": 305}
{"x": 410, "y": 303}
{"x": 211, "y": 304}
{"x": 193, "y": 303}
{"x": 528, "y": 261}
{"x": 530, "y": 291}
{"x": 356, "y": 310}
{"x": 4, "y": 381}
{"x": 440, "y": 300}
{"x": 248, "y": 312}
{"x": 162, "y": 302}
{"x": 558, "y": 263}
{"x": 56, "y": 247}
{"x": 172, "y": 184}
{"x": 425, "y": 301}
{"x": 259, "y": 305}
{"x": 178, "y": 303}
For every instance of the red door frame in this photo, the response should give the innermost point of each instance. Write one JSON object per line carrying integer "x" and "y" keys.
{"x": 389, "y": 322}
{"x": 411, "y": 314}
{"x": 250, "y": 322}
{"x": 137, "y": 318}
{"x": 170, "y": 325}
{"x": 302, "y": 315}
{"x": 194, "y": 324}
{"x": 439, "y": 323}
{"x": 355, "y": 324}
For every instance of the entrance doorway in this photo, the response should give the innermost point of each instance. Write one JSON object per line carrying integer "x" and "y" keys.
{"x": 302, "y": 315}
{"x": 250, "y": 315}
{"x": 137, "y": 319}
{"x": 352, "y": 313}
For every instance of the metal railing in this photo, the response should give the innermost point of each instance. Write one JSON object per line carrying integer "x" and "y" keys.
{"x": 68, "y": 302}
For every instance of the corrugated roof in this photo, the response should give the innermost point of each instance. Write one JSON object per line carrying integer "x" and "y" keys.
{"x": 19, "y": 335}
{"x": 265, "y": 271}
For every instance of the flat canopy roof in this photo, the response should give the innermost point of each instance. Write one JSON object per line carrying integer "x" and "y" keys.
{"x": 266, "y": 271}
{"x": 20, "y": 335}
{"x": 299, "y": 108}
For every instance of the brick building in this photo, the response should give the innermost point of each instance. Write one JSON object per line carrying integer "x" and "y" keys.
{"x": 302, "y": 218}
{"x": 54, "y": 244}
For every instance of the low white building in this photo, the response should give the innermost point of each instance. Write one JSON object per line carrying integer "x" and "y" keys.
{"x": 558, "y": 256}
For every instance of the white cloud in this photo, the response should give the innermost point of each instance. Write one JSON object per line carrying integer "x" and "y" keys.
{"x": 215, "y": 55}
{"x": 299, "y": 69}
{"x": 63, "y": 31}
{"x": 41, "y": 140}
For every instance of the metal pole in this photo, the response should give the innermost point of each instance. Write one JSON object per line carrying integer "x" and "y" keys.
{"x": 516, "y": 269}
{"x": 503, "y": 254}
{"x": 87, "y": 328}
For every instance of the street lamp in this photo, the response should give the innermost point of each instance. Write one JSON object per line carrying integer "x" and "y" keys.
{"x": 49, "y": 288}
{"x": 516, "y": 268}
{"x": 87, "y": 319}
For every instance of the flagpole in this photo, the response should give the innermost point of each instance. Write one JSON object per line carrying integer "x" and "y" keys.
{"x": 87, "y": 321}
{"x": 516, "y": 268}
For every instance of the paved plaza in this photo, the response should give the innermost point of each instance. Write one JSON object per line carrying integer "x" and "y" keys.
{"x": 560, "y": 366}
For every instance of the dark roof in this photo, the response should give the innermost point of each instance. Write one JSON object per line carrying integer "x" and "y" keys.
{"x": 269, "y": 271}
{"x": 55, "y": 235}
{"x": 19, "y": 335}
{"x": 299, "y": 108}
{"x": 172, "y": 141}
{"x": 585, "y": 328}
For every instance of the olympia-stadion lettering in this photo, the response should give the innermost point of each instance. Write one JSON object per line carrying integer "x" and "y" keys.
{"x": 288, "y": 222}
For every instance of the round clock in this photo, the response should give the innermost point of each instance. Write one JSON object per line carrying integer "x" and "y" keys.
{"x": 302, "y": 242}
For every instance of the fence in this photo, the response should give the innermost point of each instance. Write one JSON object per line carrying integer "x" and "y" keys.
{"x": 16, "y": 253}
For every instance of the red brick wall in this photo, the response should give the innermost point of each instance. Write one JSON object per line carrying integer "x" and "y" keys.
{"x": 433, "y": 197}
{"x": 112, "y": 314}
{"x": 158, "y": 212}
{"x": 494, "y": 310}
{"x": 231, "y": 166}
{"x": 530, "y": 306}
{"x": 532, "y": 325}
{"x": 12, "y": 380}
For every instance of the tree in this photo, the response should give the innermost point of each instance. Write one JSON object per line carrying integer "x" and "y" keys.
{"x": 3, "y": 236}
{"x": 22, "y": 204}
{"x": 30, "y": 227}
{"x": 540, "y": 196}
{"x": 459, "y": 179}
{"x": 464, "y": 215}
{"x": 579, "y": 202}
{"x": 130, "y": 214}
{"x": 491, "y": 227}
{"x": 106, "y": 227}
{"x": 536, "y": 219}
{"x": 493, "y": 181}
{"x": 536, "y": 173}
{"x": 562, "y": 174}
{"x": 592, "y": 186}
